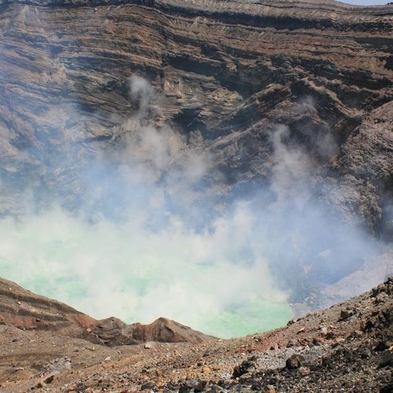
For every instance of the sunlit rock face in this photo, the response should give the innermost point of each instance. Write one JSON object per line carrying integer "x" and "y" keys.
{"x": 284, "y": 104}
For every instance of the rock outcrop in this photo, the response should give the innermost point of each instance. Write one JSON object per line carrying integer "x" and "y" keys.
{"x": 28, "y": 311}
{"x": 114, "y": 332}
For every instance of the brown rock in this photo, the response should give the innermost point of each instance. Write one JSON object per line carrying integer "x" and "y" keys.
{"x": 345, "y": 314}
{"x": 206, "y": 370}
{"x": 295, "y": 361}
{"x": 318, "y": 340}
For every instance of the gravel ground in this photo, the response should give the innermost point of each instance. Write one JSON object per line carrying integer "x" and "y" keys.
{"x": 346, "y": 348}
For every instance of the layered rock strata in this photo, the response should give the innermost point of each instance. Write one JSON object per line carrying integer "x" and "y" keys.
{"x": 225, "y": 70}
{"x": 27, "y": 311}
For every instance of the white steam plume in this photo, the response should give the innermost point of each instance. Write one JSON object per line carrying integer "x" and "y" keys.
{"x": 291, "y": 169}
{"x": 147, "y": 240}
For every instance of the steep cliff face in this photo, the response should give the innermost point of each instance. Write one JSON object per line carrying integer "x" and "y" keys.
{"x": 226, "y": 70}
{"x": 241, "y": 83}
{"x": 222, "y": 69}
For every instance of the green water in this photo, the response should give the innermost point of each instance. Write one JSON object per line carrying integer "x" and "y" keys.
{"x": 199, "y": 280}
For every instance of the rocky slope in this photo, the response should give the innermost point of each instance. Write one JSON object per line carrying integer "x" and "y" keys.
{"x": 28, "y": 311}
{"x": 348, "y": 347}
